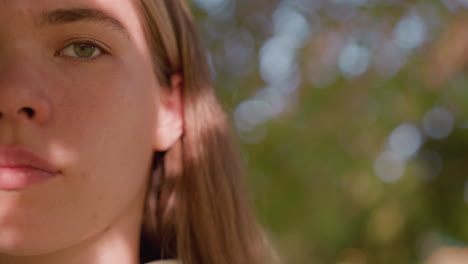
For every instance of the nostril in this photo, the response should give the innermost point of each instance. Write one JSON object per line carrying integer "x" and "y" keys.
{"x": 29, "y": 111}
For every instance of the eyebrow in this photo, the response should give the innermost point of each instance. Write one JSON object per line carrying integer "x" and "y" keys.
{"x": 73, "y": 15}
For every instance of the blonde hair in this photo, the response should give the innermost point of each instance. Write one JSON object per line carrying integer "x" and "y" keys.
{"x": 196, "y": 209}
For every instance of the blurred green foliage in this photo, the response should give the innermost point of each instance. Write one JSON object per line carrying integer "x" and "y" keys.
{"x": 352, "y": 116}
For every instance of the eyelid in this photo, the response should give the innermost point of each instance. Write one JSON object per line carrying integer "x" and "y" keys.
{"x": 103, "y": 48}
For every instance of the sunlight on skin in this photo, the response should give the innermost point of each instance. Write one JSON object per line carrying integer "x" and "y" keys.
{"x": 95, "y": 120}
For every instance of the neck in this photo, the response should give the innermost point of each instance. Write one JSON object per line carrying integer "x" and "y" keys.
{"x": 117, "y": 244}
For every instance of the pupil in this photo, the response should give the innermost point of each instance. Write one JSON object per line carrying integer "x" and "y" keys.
{"x": 84, "y": 50}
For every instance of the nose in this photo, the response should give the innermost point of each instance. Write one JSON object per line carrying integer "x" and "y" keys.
{"x": 21, "y": 97}
{"x": 22, "y": 104}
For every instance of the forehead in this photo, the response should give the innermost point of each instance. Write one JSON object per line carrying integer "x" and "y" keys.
{"x": 31, "y": 12}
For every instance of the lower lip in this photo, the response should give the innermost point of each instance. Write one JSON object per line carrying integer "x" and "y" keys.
{"x": 17, "y": 178}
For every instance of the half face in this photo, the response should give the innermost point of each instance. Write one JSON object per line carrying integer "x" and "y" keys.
{"x": 83, "y": 70}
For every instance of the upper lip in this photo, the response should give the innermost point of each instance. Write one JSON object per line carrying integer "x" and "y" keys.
{"x": 18, "y": 157}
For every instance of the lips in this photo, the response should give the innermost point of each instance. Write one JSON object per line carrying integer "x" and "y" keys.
{"x": 20, "y": 168}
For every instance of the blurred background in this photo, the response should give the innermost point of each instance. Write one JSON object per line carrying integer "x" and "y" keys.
{"x": 352, "y": 119}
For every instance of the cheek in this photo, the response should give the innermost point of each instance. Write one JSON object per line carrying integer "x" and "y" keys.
{"x": 105, "y": 124}
{"x": 107, "y": 118}
{"x": 104, "y": 102}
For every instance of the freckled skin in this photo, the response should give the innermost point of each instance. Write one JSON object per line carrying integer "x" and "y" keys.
{"x": 95, "y": 121}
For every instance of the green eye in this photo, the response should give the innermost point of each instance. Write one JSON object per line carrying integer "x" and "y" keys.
{"x": 84, "y": 50}
{"x": 81, "y": 50}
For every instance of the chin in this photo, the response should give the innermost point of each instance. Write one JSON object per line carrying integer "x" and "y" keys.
{"x": 14, "y": 243}
{"x": 26, "y": 237}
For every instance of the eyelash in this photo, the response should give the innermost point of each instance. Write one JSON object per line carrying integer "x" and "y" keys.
{"x": 87, "y": 42}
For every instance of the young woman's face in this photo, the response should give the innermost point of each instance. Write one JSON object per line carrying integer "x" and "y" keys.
{"x": 77, "y": 89}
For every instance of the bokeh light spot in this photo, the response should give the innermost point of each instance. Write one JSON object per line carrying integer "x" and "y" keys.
{"x": 410, "y": 32}
{"x": 217, "y": 8}
{"x": 438, "y": 123}
{"x": 277, "y": 59}
{"x": 251, "y": 113}
{"x": 288, "y": 21}
{"x": 354, "y": 60}
{"x": 389, "y": 167}
{"x": 405, "y": 141}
